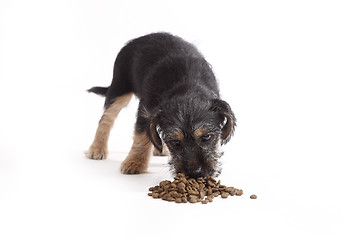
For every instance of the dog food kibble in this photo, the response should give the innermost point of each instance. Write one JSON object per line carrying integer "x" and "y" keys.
{"x": 253, "y": 196}
{"x": 225, "y": 195}
{"x": 184, "y": 189}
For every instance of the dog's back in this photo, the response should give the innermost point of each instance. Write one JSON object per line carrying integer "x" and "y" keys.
{"x": 156, "y": 65}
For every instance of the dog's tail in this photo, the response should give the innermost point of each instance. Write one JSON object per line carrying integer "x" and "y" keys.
{"x": 99, "y": 90}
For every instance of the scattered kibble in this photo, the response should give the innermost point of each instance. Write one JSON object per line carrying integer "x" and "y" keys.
{"x": 253, "y": 196}
{"x": 184, "y": 189}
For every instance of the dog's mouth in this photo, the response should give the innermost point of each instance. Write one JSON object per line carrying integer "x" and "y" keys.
{"x": 199, "y": 172}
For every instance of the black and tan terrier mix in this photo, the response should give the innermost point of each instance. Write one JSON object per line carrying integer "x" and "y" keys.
{"x": 179, "y": 106}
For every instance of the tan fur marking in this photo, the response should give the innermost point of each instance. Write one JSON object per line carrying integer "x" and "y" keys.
{"x": 177, "y": 135}
{"x": 198, "y": 133}
{"x": 98, "y": 149}
{"x": 138, "y": 158}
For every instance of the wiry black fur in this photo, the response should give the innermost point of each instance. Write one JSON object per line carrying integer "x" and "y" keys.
{"x": 177, "y": 91}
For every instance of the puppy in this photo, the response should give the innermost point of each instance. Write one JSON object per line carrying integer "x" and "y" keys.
{"x": 179, "y": 106}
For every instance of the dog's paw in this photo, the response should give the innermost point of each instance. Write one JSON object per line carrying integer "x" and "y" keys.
{"x": 129, "y": 166}
{"x": 97, "y": 153}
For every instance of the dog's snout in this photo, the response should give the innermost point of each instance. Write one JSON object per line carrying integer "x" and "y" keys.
{"x": 194, "y": 166}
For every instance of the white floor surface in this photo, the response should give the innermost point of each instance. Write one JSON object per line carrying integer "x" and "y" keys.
{"x": 289, "y": 70}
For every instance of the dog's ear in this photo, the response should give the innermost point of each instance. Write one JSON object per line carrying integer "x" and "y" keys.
{"x": 228, "y": 120}
{"x": 152, "y": 131}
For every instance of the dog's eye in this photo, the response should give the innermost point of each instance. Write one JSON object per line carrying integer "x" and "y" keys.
{"x": 175, "y": 143}
{"x": 206, "y": 138}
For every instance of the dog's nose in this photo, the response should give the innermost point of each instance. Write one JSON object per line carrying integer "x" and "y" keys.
{"x": 198, "y": 170}
{"x": 196, "y": 173}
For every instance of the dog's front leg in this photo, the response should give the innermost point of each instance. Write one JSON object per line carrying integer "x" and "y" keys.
{"x": 138, "y": 158}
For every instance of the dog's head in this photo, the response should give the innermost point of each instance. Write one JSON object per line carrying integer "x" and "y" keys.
{"x": 193, "y": 130}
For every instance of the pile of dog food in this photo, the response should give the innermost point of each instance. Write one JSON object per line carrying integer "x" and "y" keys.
{"x": 184, "y": 189}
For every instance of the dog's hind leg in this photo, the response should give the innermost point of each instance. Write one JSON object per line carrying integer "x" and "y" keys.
{"x": 164, "y": 152}
{"x": 98, "y": 149}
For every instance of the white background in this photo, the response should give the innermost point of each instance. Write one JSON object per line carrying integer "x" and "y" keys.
{"x": 289, "y": 69}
